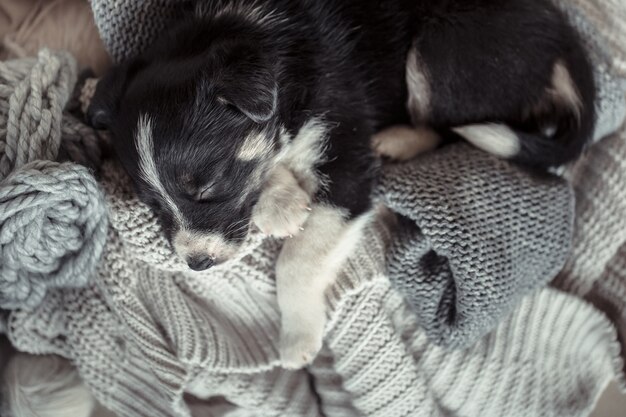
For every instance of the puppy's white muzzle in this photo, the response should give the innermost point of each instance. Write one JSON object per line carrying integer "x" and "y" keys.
{"x": 202, "y": 251}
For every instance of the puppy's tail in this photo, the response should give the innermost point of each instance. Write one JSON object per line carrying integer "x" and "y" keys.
{"x": 563, "y": 124}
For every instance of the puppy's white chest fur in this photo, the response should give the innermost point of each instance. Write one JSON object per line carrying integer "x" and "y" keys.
{"x": 292, "y": 182}
{"x": 305, "y": 152}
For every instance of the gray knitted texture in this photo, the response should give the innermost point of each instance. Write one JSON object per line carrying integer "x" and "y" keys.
{"x": 478, "y": 233}
{"x": 145, "y": 331}
{"x": 129, "y": 26}
{"x": 52, "y": 215}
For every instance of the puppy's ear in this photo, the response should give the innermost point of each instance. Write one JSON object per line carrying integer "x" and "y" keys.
{"x": 104, "y": 104}
{"x": 249, "y": 83}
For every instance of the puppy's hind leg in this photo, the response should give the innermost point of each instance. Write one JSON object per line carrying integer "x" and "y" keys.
{"x": 308, "y": 264}
{"x": 402, "y": 143}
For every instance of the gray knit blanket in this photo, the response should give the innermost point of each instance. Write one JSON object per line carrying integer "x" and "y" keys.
{"x": 477, "y": 240}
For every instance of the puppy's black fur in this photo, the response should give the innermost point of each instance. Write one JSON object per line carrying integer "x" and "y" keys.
{"x": 235, "y": 66}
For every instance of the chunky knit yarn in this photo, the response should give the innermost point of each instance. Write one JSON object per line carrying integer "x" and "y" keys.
{"x": 147, "y": 332}
{"x": 52, "y": 232}
{"x": 33, "y": 94}
{"x": 52, "y": 216}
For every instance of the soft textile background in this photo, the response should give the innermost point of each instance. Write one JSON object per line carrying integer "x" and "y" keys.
{"x": 143, "y": 333}
{"x": 26, "y": 26}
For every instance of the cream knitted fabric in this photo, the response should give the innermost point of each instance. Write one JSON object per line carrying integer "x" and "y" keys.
{"x": 145, "y": 332}
{"x": 217, "y": 336}
{"x": 597, "y": 267}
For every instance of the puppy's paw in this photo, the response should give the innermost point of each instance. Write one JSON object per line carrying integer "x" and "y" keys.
{"x": 283, "y": 207}
{"x": 299, "y": 348}
{"x": 402, "y": 143}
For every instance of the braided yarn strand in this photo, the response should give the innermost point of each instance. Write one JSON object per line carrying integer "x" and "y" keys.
{"x": 33, "y": 93}
{"x": 53, "y": 218}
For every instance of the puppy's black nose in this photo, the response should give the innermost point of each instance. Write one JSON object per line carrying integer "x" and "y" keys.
{"x": 200, "y": 263}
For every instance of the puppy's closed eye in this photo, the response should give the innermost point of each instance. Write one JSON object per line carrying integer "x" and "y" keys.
{"x": 206, "y": 193}
{"x": 198, "y": 192}
{"x": 211, "y": 193}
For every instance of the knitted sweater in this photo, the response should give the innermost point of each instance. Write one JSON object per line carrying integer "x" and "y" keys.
{"x": 146, "y": 331}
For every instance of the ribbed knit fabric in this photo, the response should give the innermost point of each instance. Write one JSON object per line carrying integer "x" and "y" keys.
{"x": 596, "y": 270}
{"x": 608, "y": 294}
{"x": 146, "y": 332}
{"x": 601, "y": 206}
{"x": 544, "y": 360}
{"x": 551, "y": 357}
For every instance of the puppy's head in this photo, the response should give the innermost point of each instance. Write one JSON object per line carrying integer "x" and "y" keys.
{"x": 194, "y": 124}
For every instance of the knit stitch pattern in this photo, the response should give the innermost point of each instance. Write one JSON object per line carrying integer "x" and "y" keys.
{"x": 146, "y": 332}
{"x": 127, "y": 27}
{"x": 473, "y": 242}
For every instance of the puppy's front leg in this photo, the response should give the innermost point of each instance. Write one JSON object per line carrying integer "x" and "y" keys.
{"x": 283, "y": 206}
{"x": 307, "y": 265}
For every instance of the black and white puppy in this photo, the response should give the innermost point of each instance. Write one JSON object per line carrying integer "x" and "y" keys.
{"x": 263, "y": 112}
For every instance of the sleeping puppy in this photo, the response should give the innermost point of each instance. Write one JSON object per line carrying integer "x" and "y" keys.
{"x": 262, "y": 112}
